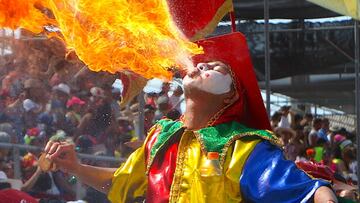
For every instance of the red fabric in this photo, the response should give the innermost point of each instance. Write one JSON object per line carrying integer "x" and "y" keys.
{"x": 15, "y": 196}
{"x": 162, "y": 170}
{"x": 232, "y": 49}
{"x": 191, "y": 16}
{"x": 316, "y": 170}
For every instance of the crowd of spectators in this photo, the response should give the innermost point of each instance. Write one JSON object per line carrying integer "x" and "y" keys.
{"x": 50, "y": 96}
{"x": 309, "y": 138}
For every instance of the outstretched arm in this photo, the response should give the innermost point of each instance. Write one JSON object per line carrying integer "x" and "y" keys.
{"x": 97, "y": 177}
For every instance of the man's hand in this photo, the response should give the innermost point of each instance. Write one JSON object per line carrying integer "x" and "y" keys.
{"x": 63, "y": 155}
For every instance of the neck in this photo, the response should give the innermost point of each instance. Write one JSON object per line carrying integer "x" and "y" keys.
{"x": 198, "y": 114}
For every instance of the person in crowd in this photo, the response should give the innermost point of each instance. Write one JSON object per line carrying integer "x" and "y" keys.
{"x": 349, "y": 157}
{"x": 296, "y": 124}
{"x": 6, "y": 164}
{"x": 163, "y": 107}
{"x": 333, "y": 130}
{"x": 61, "y": 73}
{"x": 36, "y": 94}
{"x": 149, "y": 115}
{"x": 32, "y": 110}
{"x": 4, "y": 138}
{"x": 151, "y": 98}
{"x": 10, "y": 130}
{"x": 173, "y": 114}
{"x": 124, "y": 146}
{"x": 75, "y": 108}
{"x": 343, "y": 156}
{"x": 296, "y": 146}
{"x": 61, "y": 94}
{"x": 275, "y": 119}
{"x": 324, "y": 131}
{"x": 12, "y": 83}
{"x": 115, "y": 102}
{"x": 307, "y": 120}
{"x": 3, "y": 105}
{"x": 175, "y": 99}
{"x": 284, "y": 134}
{"x": 313, "y": 135}
{"x": 98, "y": 120}
{"x": 85, "y": 144}
{"x": 320, "y": 150}
{"x": 35, "y": 90}
{"x": 48, "y": 185}
{"x": 285, "y": 121}
{"x": 165, "y": 88}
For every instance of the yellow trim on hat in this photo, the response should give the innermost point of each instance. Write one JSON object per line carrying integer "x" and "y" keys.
{"x": 225, "y": 8}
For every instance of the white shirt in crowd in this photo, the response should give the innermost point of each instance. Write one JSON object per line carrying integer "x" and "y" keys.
{"x": 284, "y": 122}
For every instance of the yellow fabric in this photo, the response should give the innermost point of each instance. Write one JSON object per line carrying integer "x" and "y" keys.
{"x": 188, "y": 184}
{"x": 130, "y": 178}
{"x": 137, "y": 84}
{"x": 344, "y": 7}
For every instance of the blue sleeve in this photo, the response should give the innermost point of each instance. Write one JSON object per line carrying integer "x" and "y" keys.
{"x": 268, "y": 177}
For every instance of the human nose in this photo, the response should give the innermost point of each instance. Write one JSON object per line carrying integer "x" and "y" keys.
{"x": 195, "y": 71}
{"x": 202, "y": 66}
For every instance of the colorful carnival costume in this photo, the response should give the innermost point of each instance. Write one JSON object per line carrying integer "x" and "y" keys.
{"x": 250, "y": 167}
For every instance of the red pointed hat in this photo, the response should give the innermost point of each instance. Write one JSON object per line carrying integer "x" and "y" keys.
{"x": 232, "y": 49}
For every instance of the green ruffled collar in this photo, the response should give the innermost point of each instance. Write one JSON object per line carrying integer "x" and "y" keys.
{"x": 212, "y": 139}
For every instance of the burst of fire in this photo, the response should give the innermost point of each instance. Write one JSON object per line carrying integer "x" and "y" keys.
{"x": 24, "y": 14}
{"x": 108, "y": 35}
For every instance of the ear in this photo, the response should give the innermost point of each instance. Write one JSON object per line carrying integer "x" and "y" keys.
{"x": 232, "y": 97}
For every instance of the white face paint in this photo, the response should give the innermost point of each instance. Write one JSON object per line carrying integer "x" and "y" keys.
{"x": 212, "y": 81}
{"x": 215, "y": 82}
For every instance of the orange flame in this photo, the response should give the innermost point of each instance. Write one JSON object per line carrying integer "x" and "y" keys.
{"x": 109, "y": 35}
{"x": 24, "y": 14}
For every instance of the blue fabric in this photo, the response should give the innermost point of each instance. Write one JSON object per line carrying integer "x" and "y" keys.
{"x": 322, "y": 134}
{"x": 268, "y": 177}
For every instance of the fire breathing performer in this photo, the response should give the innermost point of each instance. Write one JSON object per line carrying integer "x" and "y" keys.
{"x": 221, "y": 150}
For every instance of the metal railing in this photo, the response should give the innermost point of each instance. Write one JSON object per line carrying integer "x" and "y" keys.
{"x": 16, "y": 156}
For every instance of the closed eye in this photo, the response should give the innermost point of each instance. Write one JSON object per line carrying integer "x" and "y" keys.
{"x": 221, "y": 69}
{"x": 219, "y": 66}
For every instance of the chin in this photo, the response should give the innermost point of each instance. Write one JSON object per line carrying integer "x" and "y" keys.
{"x": 190, "y": 89}
{"x": 189, "y": 83}
{"x": 193, "y": 81}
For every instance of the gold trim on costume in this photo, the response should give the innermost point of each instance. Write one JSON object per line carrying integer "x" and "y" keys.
{"x": 226, "y": 7}
{"x": 151, "y": 158}
{"x": 239, "y": 136}
{"x": 214, "y": 118}
{"x": 202, "y": 145}
{"x": 179, "y": 168}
